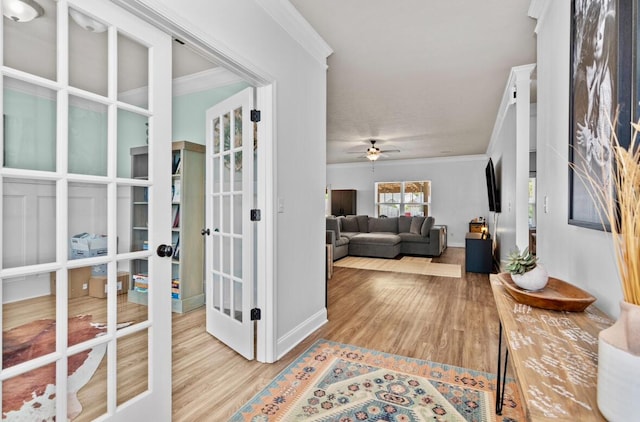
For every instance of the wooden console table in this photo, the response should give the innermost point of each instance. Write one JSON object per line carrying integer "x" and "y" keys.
{"x": 554, "y": 356}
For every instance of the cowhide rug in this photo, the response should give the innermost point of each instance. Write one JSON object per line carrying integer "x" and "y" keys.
{"x": 31, "y": 396}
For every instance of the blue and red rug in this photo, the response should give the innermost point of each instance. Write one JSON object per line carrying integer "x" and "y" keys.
{"x": 338, "y": 382}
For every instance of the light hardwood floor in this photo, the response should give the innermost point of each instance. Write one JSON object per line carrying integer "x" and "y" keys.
{"x": 446, "y": 320}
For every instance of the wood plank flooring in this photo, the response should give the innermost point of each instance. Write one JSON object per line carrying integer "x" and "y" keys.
{"x": 442, "y": 319}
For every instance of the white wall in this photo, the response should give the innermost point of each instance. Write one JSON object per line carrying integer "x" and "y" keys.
{"x": 247, "y": 32}
{"x": 458, "y": 187}
{"x": 580, "y": 256}
{"x": 503, "y": 154}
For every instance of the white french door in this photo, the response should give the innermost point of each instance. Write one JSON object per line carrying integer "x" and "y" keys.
{"x": 86, "y": 87}
{"x": 230, "y": 243}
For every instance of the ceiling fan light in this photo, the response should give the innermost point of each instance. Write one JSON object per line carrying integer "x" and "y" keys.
{"x": 373, "y": 156}
{"x": 21, "y": 10}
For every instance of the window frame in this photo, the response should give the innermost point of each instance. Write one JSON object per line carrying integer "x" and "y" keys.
{"x": 399, "y": 199}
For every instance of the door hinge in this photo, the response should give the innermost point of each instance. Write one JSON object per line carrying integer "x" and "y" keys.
{"x": 255, "y": 215}
{"x": 256, "y": 315}
{"x": 255, "y": 115}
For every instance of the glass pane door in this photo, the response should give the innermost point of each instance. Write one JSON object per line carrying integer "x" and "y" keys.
{"x": 75, "y": 346}
{"x": 230, "y": 196}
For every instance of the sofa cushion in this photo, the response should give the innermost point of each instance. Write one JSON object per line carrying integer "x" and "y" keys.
{"x": 427, "y": 226}
{"x": 375, "y": 239}
{"x": 333, "y": 224}
{"x": 404, "y": 224}
{"x": 363, "y": 223}
{"x": 414, "y": 238}
{"x": 342, "y": 241}
{"x": 349, "y": 235}
{"x": 416, "y": 225}
{"x": 350, "y": 224}
{"x": 386, "y": 225}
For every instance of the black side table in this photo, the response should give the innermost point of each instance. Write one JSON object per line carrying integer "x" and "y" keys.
{"x": 478, "y": 254}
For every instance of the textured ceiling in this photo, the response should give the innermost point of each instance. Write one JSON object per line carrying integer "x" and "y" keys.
{"x": 423, "y": 76}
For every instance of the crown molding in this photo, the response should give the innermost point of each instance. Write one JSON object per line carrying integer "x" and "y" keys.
{"x": 538, "y": 10}
{"x": 190, "y": 84}
{"x": 288, "y": 17}
{"x": 508, "y": 98}
{"x": 204, "y": 81}
{"x": 27, "y": 88}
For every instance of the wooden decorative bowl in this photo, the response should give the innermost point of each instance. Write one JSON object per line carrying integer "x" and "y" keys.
{"x": 558, "y": 295}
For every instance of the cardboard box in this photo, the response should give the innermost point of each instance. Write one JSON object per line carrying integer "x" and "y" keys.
{"x": 85, "y": 245}
{"x": 78, "y": 282}
{"x": 98, "y": 285}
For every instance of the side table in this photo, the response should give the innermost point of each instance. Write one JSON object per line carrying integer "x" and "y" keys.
{"x": 554, "y": 356}
{"x": 328, "y": 271}
{"x": 329, "y": 255}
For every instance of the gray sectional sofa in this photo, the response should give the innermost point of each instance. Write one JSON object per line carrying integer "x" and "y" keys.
{"x": 361, "y": 235}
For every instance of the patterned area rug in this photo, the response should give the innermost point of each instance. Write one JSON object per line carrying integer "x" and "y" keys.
{"x": 338, "y": 382}
{"x": 407, "y": 264}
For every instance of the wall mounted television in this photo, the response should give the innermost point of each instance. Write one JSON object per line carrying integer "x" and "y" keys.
{"x": 493, "y": 192}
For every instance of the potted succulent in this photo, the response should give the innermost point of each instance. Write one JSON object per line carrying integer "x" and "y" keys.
{"x": 525, "y": 270}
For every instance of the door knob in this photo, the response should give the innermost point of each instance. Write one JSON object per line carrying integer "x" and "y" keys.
{"x": 164, "y": 250}
{"x": 205, "y": 231}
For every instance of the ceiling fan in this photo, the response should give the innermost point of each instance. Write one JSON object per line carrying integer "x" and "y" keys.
{"x": 373, "y": 152}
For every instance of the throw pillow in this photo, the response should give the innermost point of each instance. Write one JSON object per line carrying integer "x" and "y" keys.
{"x": 350, "y": 224}
{"x": 363, "y": 223}
{"x": 383, "y": 225}
{"x": 427, "y": 226}
{"x": 404, "y": 224}
{"x": 416, "y": 225}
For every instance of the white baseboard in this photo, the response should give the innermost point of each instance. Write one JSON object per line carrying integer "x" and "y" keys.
{"x": 299, "y": 333}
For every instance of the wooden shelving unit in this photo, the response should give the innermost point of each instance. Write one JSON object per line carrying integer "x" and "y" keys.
{"x": 343, "y": 202}
{"x": 187, "y": 208}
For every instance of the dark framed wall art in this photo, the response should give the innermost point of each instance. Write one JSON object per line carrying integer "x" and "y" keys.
{"x": 602, "y": 69}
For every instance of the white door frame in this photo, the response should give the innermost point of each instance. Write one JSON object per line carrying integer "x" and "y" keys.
{"x": 265, "y": 85}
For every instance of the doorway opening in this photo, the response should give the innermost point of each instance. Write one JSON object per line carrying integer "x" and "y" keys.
{"x": 200, "y": 83}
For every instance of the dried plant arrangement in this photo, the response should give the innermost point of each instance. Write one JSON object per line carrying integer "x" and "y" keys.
{"x": 618, "y": 203}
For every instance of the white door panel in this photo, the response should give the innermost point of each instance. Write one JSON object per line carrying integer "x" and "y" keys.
{"x": 230, "y": 245}
{"x": 70, "y": 126}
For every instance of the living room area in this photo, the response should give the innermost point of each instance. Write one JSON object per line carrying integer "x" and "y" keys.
{"x": 569, "y": 250}
{"x": 450, "y": 320}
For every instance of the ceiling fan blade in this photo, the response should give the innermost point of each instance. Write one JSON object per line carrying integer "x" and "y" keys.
{"x": 389, "y": 150}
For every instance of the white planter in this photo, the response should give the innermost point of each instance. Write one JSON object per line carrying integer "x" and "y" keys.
{"x": 533, "y": 280}
{"x": 619, "y": 367}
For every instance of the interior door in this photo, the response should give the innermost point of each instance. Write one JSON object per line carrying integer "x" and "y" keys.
{"x": 85, "y": 85}
{"x": 230, "y": 244}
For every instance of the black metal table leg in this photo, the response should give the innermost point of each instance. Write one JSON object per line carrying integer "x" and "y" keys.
{"x": 501, "y": 377}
